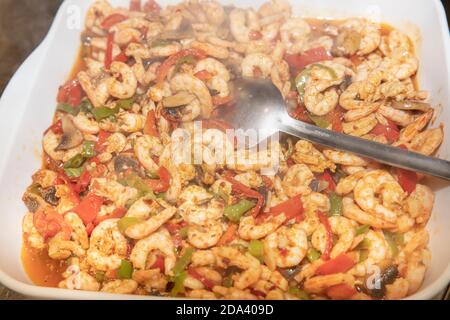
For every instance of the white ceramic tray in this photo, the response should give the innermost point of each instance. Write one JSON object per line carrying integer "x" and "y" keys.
{"x": 28, "y": 103}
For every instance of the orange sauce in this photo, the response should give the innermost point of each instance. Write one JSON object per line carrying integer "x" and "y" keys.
{"x": 41, "y": 270}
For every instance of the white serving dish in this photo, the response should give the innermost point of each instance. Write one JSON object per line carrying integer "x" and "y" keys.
{"x": 28, "y": 103}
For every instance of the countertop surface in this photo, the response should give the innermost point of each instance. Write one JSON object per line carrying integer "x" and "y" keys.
{"x": 23, "y": 25}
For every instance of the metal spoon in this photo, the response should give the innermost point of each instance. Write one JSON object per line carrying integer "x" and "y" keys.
{"x": 259, "y": 105}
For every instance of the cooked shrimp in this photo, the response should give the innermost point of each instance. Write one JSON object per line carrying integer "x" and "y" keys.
{"x": 382, "y": 183}
{"x": 97, "y": 89}
{"x": 107, "y": 246}
{"x": 419, "y": 203}
{"x": 286, "y": 247}
{"x": 427, "y": 141}
{"x": 343, "y": 228}
{"x": 127, "y": 87}
{"x": 297, "y": 180}
{"x": 188, "y": 83}
{"x": 413, "y": 129}
{"x": 123, "y": 286}
{"x": 360, "y": 127}
{"x": 344, "y": 158}
{"x": 256, "y": 61}
{"x": 293, "y": 34}
{"x": 206, "y": 235}
{"x": 370, "y": 34}
{"x": 160, "y": 241}
{"x": 352, "y": 211}
{"x": 145, "y": 148}
{"x": 249, "y": 229}
{"x": 320, "y": 102}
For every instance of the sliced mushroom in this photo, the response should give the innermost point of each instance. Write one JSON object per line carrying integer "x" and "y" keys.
{"x": 71, "y": 137}
{"x": 34, "y": 202}
{"x": 123, "y": 163}
{"x": 182, "y": 98}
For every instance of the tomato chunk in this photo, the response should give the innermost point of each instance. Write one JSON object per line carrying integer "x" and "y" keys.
{"x": 89, "y": 208}
{"x": 298, "y": 62}
{"x": 71, "y": 93}
{"x": 390, "y": 131}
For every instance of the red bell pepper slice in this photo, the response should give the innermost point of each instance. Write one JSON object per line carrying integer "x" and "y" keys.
{"x": 164, "y": 68}
{"x": 159, "y": 264}
{"x": 206, "y": 282}
{"x": 150, "y": 127}
{"x": 341, "y": 292}
{"x": 109, "y": 50}
{"x": 247, "y": 192}
{"x": 228, "y": 235}
{"x": 112, "y": 20}
{"x": 328, "y": 178}
{"x": 135, "y": 5}
{"x": 89, "y": 208}
{"x": 151, "y": 6}
{"x": 174, "y": 230}
{"x": 298, "y": 62}
{"x": 83, "y": 182}
{"x": 50, "y": 224}
{"x": 71, "y": 93}
{"x": 64, "y": 179}
{"x": 342, "y": 263}
{"x": 162, "y": 184}
{"x": 335, "y": 117}
{"x": 390, "y": 131}
{"x": 101, "y": 140}
{"x": 324, "y": 220}
{"x": 203, "y": 75}
{"x": 292, "y": 208}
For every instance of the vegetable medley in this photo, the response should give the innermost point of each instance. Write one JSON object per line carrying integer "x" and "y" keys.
{"x": 113, "y": 204}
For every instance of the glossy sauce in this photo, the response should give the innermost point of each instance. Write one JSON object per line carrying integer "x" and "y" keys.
{"x": 42, "y": 270}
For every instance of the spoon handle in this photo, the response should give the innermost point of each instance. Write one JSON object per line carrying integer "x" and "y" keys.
{"x": 393, "y": 156}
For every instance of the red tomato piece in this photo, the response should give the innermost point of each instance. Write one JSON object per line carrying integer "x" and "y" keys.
{"x": 292, "y": 208}
{"x": 159, "y": 264}
{"x": 150, "y": 127}
{"x": 71, "y": 93}
{"x": 83, "y": 182}
{"x": 298, "y": 62}
{"x": 342, "y": 263}
{"x": 328, "y": 178}
{"x": 89, "y": 208}
{"x": 390, "y": 131}
{"x": 101, "y": 140}
{"x": 255, "y": 35}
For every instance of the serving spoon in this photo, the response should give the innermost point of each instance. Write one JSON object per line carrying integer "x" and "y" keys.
{"x": 260, "y": 106}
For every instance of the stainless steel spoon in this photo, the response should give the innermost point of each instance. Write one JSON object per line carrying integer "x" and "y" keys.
{"x": 259, "y": 105}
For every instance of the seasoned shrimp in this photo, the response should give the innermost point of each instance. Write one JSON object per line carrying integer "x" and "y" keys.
{"x": 370, "y": 34}
{"x": 85, "y": 124}
{"x": 123, "y": 286}
{"x": 320, "y": 102}
{"x": 360, "y": 127}
{"x": 347, "y": 184}
{"x": 377, "y": 252}
{"x": 382, "y": 183}
{"x": 427, "y": 141}
{"x": 32, "y": 236}
{"x": 147, "y": 227}
{"x": 97, "y": 89}
{"x": 75, "y": 279}
{"x": 145, "y": 148}
{"x": 352, "y": 211}
{"x": 403, "y": 118}
{"x": 238, "y": 25}
{"x": 97, "y": 12}
{"x": 419, "y": 203}
{"x": 343, "y": 228}
{"x": 206, "y": 235}
{"x": 245, "y": 261}
{"x": 256, "y": 61}
{"x": 249, "y": 229}
{"x": 113, "y": 191}
{"x": 409, "y": 132}
{"x": 306, "y": 153}
{"x": 286, "y": 247}
{"x": 219, "y": 75}
{"x": 188, "y": 83}
{"x": 130, "y": 122}
{"x": 160, "y": 241}
{"x": 293, "y": 34}
{"x": 107, "y": 246}
{"x": 344, "y": 158}
{"x": 297, "y": 180}
{"x": 127, "y": 87}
